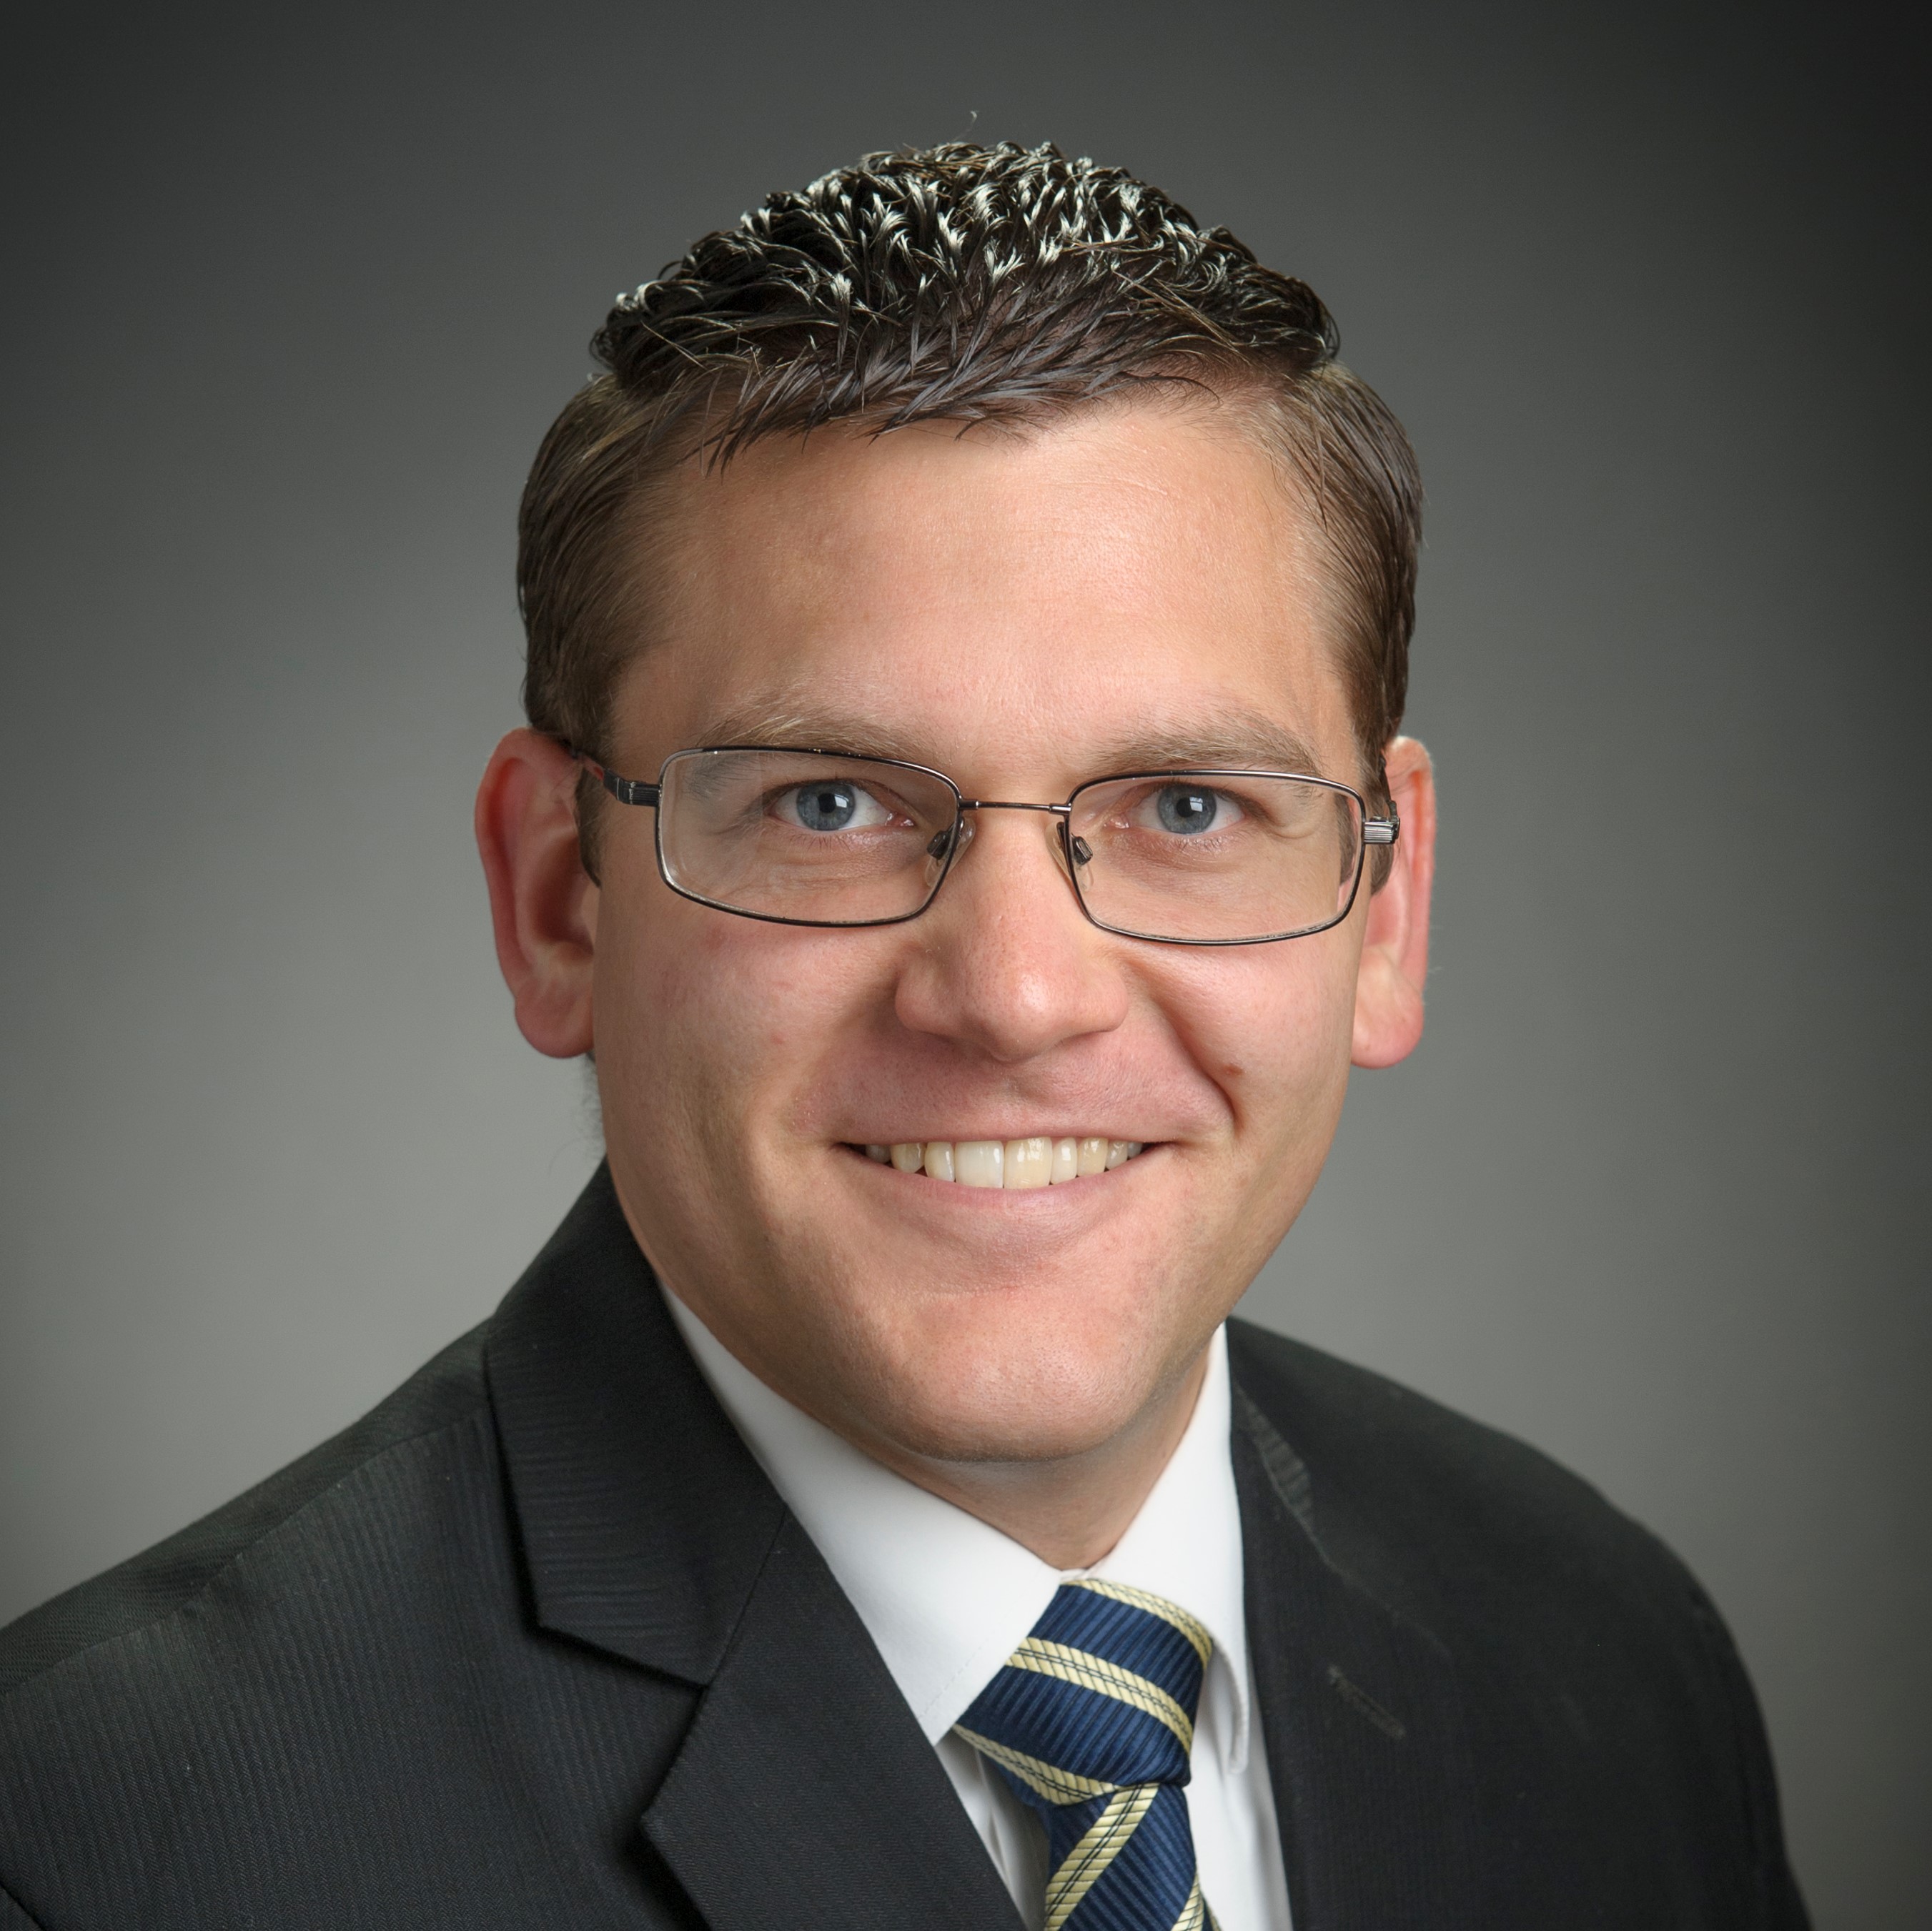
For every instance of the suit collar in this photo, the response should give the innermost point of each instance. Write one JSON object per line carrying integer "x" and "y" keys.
{"x": 804, "y": 1797}
{"x": 644, "y": 1519}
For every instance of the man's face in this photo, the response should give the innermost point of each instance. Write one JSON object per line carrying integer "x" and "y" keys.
{"x": 1127, "y": 589}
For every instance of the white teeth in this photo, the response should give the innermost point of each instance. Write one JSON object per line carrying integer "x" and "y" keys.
{"x": 979, "y": 1163}
{"x": 1037, "y": 1162}
{"x": 1029, "y": 1163}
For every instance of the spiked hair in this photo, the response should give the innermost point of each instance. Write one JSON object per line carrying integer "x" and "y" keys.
{"x": 964, "y": 284}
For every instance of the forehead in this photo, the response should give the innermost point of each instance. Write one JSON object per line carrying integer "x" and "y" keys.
{"x": 1134, "y": 580}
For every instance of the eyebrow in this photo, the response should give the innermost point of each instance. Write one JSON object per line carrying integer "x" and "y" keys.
{"x": 786, "y": 725}
{"x": 1222, "y": 736}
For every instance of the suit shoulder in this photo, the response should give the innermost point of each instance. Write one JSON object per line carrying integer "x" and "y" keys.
{"x": 1578, "y": 1633}
{"x": 1464, "y": 1496}
{"x": 160, "y": 1582}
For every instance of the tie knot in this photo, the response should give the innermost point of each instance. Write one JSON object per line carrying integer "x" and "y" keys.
{"x": 1101, "y": 1696}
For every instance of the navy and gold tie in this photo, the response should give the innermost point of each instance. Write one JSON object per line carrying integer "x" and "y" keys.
{"x": 1091, "y": 1723}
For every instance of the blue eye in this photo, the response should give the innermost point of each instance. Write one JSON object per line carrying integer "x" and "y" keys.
{"x": 1186, "y": 809}
{"x": 832, "y": 804}
{"x": 826, "y": 808}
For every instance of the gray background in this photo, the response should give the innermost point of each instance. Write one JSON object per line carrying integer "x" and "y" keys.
{"x": 293, "y": 295}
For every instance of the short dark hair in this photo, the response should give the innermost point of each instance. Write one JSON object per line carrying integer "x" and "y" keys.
{"x": 958, "y": 283}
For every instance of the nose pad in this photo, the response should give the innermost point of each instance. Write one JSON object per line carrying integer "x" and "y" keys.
{"x": 941, "y": 846}
{"x": 1069, "y": 853}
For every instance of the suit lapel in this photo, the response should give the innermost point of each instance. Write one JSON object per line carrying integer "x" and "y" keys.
{"x": 644, "y": 1519}
{"x": 1362, "y": 1711}
{"x": 804, "y": 1794}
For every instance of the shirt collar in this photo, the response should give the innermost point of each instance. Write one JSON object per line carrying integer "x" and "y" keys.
{"x": 946, "y": 1597}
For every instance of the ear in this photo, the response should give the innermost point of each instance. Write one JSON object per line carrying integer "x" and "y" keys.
{"x": 542, "y": 902}
{"x": 1395, "y": 947}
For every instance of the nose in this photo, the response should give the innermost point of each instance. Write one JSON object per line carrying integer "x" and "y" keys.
{"x": 1004, "y": 962}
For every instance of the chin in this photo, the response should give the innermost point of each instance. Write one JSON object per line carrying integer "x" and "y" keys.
{"x": 1020, "y": 1378}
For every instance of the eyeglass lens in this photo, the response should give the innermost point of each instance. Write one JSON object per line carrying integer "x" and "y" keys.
{"x": 821, "y": 839}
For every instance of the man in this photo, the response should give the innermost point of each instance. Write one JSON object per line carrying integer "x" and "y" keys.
{"x": 964, "y": 815}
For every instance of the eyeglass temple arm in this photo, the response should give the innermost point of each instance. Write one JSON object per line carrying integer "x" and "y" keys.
{"x": 628, "y": 790}
{"x": 625, "y": 790}
{"x": 1375, "y": 831}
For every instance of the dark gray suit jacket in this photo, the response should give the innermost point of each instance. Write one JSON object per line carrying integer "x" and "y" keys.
{"x": 536, "y": 1644}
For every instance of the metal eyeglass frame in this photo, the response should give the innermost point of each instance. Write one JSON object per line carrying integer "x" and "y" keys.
{"x": 947, "y": 845}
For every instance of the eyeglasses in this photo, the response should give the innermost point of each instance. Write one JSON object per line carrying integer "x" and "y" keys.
{"x": 1183, "y": 857}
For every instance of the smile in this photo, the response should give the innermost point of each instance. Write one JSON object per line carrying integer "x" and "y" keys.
{"x": 1037, "y": 1162}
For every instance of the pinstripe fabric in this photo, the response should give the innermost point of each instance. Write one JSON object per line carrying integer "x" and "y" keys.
{"x": 1091, "y": 1721}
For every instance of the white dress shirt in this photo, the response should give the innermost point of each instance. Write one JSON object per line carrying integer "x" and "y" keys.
{"x": 947, "y": 1599}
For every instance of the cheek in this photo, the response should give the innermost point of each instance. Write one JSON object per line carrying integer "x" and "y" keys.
{"x": 1272, "y": 1027}
{"x": 716, "y": 1021}
{"x": 677, "y": 1009}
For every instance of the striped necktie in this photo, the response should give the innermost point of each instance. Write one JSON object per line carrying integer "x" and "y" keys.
{"x": 1091, "y": 1723}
